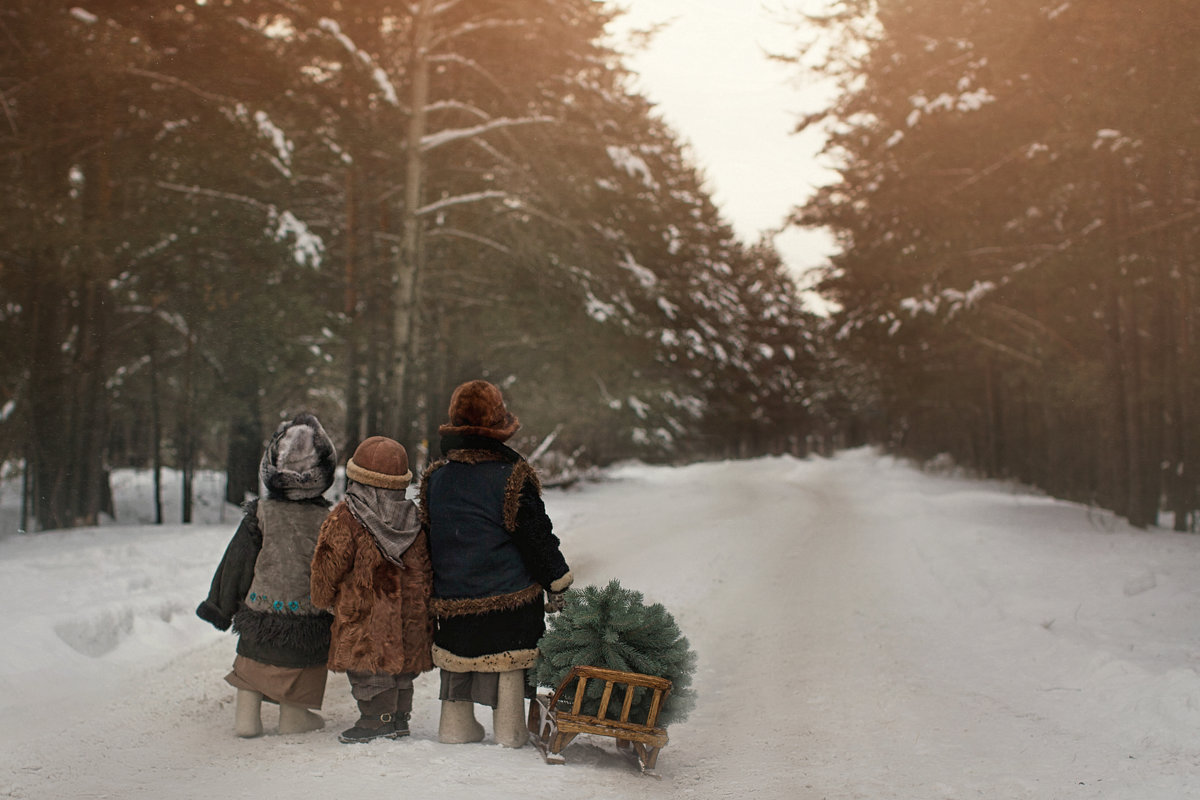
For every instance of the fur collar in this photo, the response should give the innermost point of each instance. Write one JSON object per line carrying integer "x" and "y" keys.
{"x": 472, "y": 448}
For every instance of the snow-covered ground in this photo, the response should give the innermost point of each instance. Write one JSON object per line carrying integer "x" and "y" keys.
{"x": 864, "y": 631}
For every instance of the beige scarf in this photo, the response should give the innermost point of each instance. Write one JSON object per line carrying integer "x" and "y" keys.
{"x": 392, "y": 519}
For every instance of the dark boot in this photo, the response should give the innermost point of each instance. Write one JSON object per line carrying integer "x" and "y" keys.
{"x": 377, "y": 719}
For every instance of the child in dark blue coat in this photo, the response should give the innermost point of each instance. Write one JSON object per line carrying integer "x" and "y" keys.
{"x": 497, "y": 567}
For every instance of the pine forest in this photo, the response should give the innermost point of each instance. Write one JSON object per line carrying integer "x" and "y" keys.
{"x": 1018, "y": 214}
{"x": 219, "y": 213}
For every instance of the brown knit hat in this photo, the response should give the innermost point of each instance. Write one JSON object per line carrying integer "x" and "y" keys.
{"x": 380, "y": 461}
{"x": 478, "y": 407}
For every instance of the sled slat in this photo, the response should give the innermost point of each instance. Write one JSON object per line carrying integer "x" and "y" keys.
{"x": 627, "y": 704}
{"x": 579, "y": 694}
{"x": 604, "y": 700}
{"x": 655, "y": 704}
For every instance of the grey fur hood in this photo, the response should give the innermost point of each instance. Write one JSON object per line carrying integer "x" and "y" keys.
{"x": 299, "y": 461}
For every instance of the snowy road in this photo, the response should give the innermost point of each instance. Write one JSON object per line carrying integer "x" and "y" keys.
{"x": 863, "y": 630}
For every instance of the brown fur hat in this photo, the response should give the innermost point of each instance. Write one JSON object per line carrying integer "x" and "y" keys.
{"x": 380, "y": 461}
{"x": 477, "y": 407}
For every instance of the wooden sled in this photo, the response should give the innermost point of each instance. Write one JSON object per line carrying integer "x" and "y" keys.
{"x": 553, "y": 727}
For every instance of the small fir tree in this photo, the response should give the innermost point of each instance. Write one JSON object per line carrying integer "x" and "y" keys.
{"x": 613, "y": 628}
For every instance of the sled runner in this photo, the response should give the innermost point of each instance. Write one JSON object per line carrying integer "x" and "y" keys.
{"x": 553, "y": 726}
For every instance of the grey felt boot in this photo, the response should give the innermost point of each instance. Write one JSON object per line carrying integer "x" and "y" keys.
{"x": 298, "y": 719}
{"x": 508, "y": 719}
{"x": 377, "y": 719}
{"x": 247, "y": 720}
{"x": 458, "y": 724}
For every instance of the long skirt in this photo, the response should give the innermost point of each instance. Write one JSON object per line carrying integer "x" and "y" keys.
{"x": 297, "y": 686}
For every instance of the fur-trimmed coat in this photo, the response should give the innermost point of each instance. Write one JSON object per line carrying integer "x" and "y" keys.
{"x": 381, "y": 619}
{"x": 261, "y": 585}
{"x": 494, "y": 553}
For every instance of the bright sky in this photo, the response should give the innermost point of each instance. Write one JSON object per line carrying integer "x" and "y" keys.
{"x": 710, "y": 75}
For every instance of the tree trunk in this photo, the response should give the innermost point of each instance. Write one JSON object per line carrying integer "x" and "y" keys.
{"x": 353, "y": 427}
{"x": 377, "y": 376}
{"x": 1176, "y": 309}
{"x": 23, "y": 526}
{"x": 90, "y": 493}
{"x": 409, "y": 267}
{"x": 1176, "y": 478}
{"x": 155, "y": 429}
{"x": 380, "y": 320}
{"x": 993, "y": 421}
{"x": 437, "y": 388}
{"x": 244, "y": 448}
{"x": 1125, "y": 360}
{"x": 48, "y": 441}
{"x": 1121, "y": 459}
{"x": 187, "y": 432}
{"x": 1186, "y": 390}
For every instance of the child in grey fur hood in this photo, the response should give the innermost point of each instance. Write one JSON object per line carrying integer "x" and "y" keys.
{"x": 261, "y": 587}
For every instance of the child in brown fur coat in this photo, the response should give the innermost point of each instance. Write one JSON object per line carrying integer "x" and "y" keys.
{"x": 371, "y": 568}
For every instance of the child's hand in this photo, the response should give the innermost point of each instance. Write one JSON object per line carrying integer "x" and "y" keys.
{"x": 555, "y": 601}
